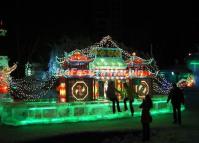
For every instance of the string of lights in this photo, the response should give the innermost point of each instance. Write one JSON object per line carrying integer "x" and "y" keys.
{"x": 29, "y": 89}
{"x": 160, "y": 84}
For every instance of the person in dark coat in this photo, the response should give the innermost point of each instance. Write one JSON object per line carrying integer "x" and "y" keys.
{"x": 146, "y": 117}
{"x": 177, "y": 98}
{"x": 128, "y": 95}
{"x": 112, "y": 96}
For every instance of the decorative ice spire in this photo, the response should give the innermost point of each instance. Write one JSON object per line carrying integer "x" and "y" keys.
{"x": 2, "y": 30}
{"x": 108, "y": 42}
{"x": 28, "y": 69}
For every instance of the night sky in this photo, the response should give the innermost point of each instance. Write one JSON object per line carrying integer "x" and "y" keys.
{"x": 171, "y": 28}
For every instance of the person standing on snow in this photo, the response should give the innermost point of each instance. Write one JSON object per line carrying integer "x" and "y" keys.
{"x": 146, "y": 117}
{"x": 177, "y": 98}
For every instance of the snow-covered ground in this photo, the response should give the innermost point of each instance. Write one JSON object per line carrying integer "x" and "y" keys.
{"x": 162, "y": 129}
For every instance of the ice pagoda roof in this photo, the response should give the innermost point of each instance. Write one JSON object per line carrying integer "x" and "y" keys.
{"x": 135, "y": 60}
{"x": 77, "y": 56}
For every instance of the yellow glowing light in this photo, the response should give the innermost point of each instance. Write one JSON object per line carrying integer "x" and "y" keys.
{"x": 79, "y": 88}
{"x": 142, "y": 89}
{"x": 62, "y": 92}
{"x": 63, "y": 85}
{"x": 134, "y": 53}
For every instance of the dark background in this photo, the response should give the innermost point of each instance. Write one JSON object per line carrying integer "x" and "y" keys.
{"x": 170, "y": 27}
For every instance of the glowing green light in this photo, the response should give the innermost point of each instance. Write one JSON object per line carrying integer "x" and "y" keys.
{"x": 108, "y": 63}
{"x": 194, "y": 63}
{"x": 45, "y": 113}
{"x": 3, "y": 32}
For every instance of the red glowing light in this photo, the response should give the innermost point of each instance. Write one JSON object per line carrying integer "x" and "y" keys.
{"x": 77, "y": 56}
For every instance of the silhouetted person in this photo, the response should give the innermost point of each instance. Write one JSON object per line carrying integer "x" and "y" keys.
{"x": 177, "y": 98}
{"x": 129, "y": 95}
{"x": 112, "y": 96}
{"x": 146, "y": 117}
